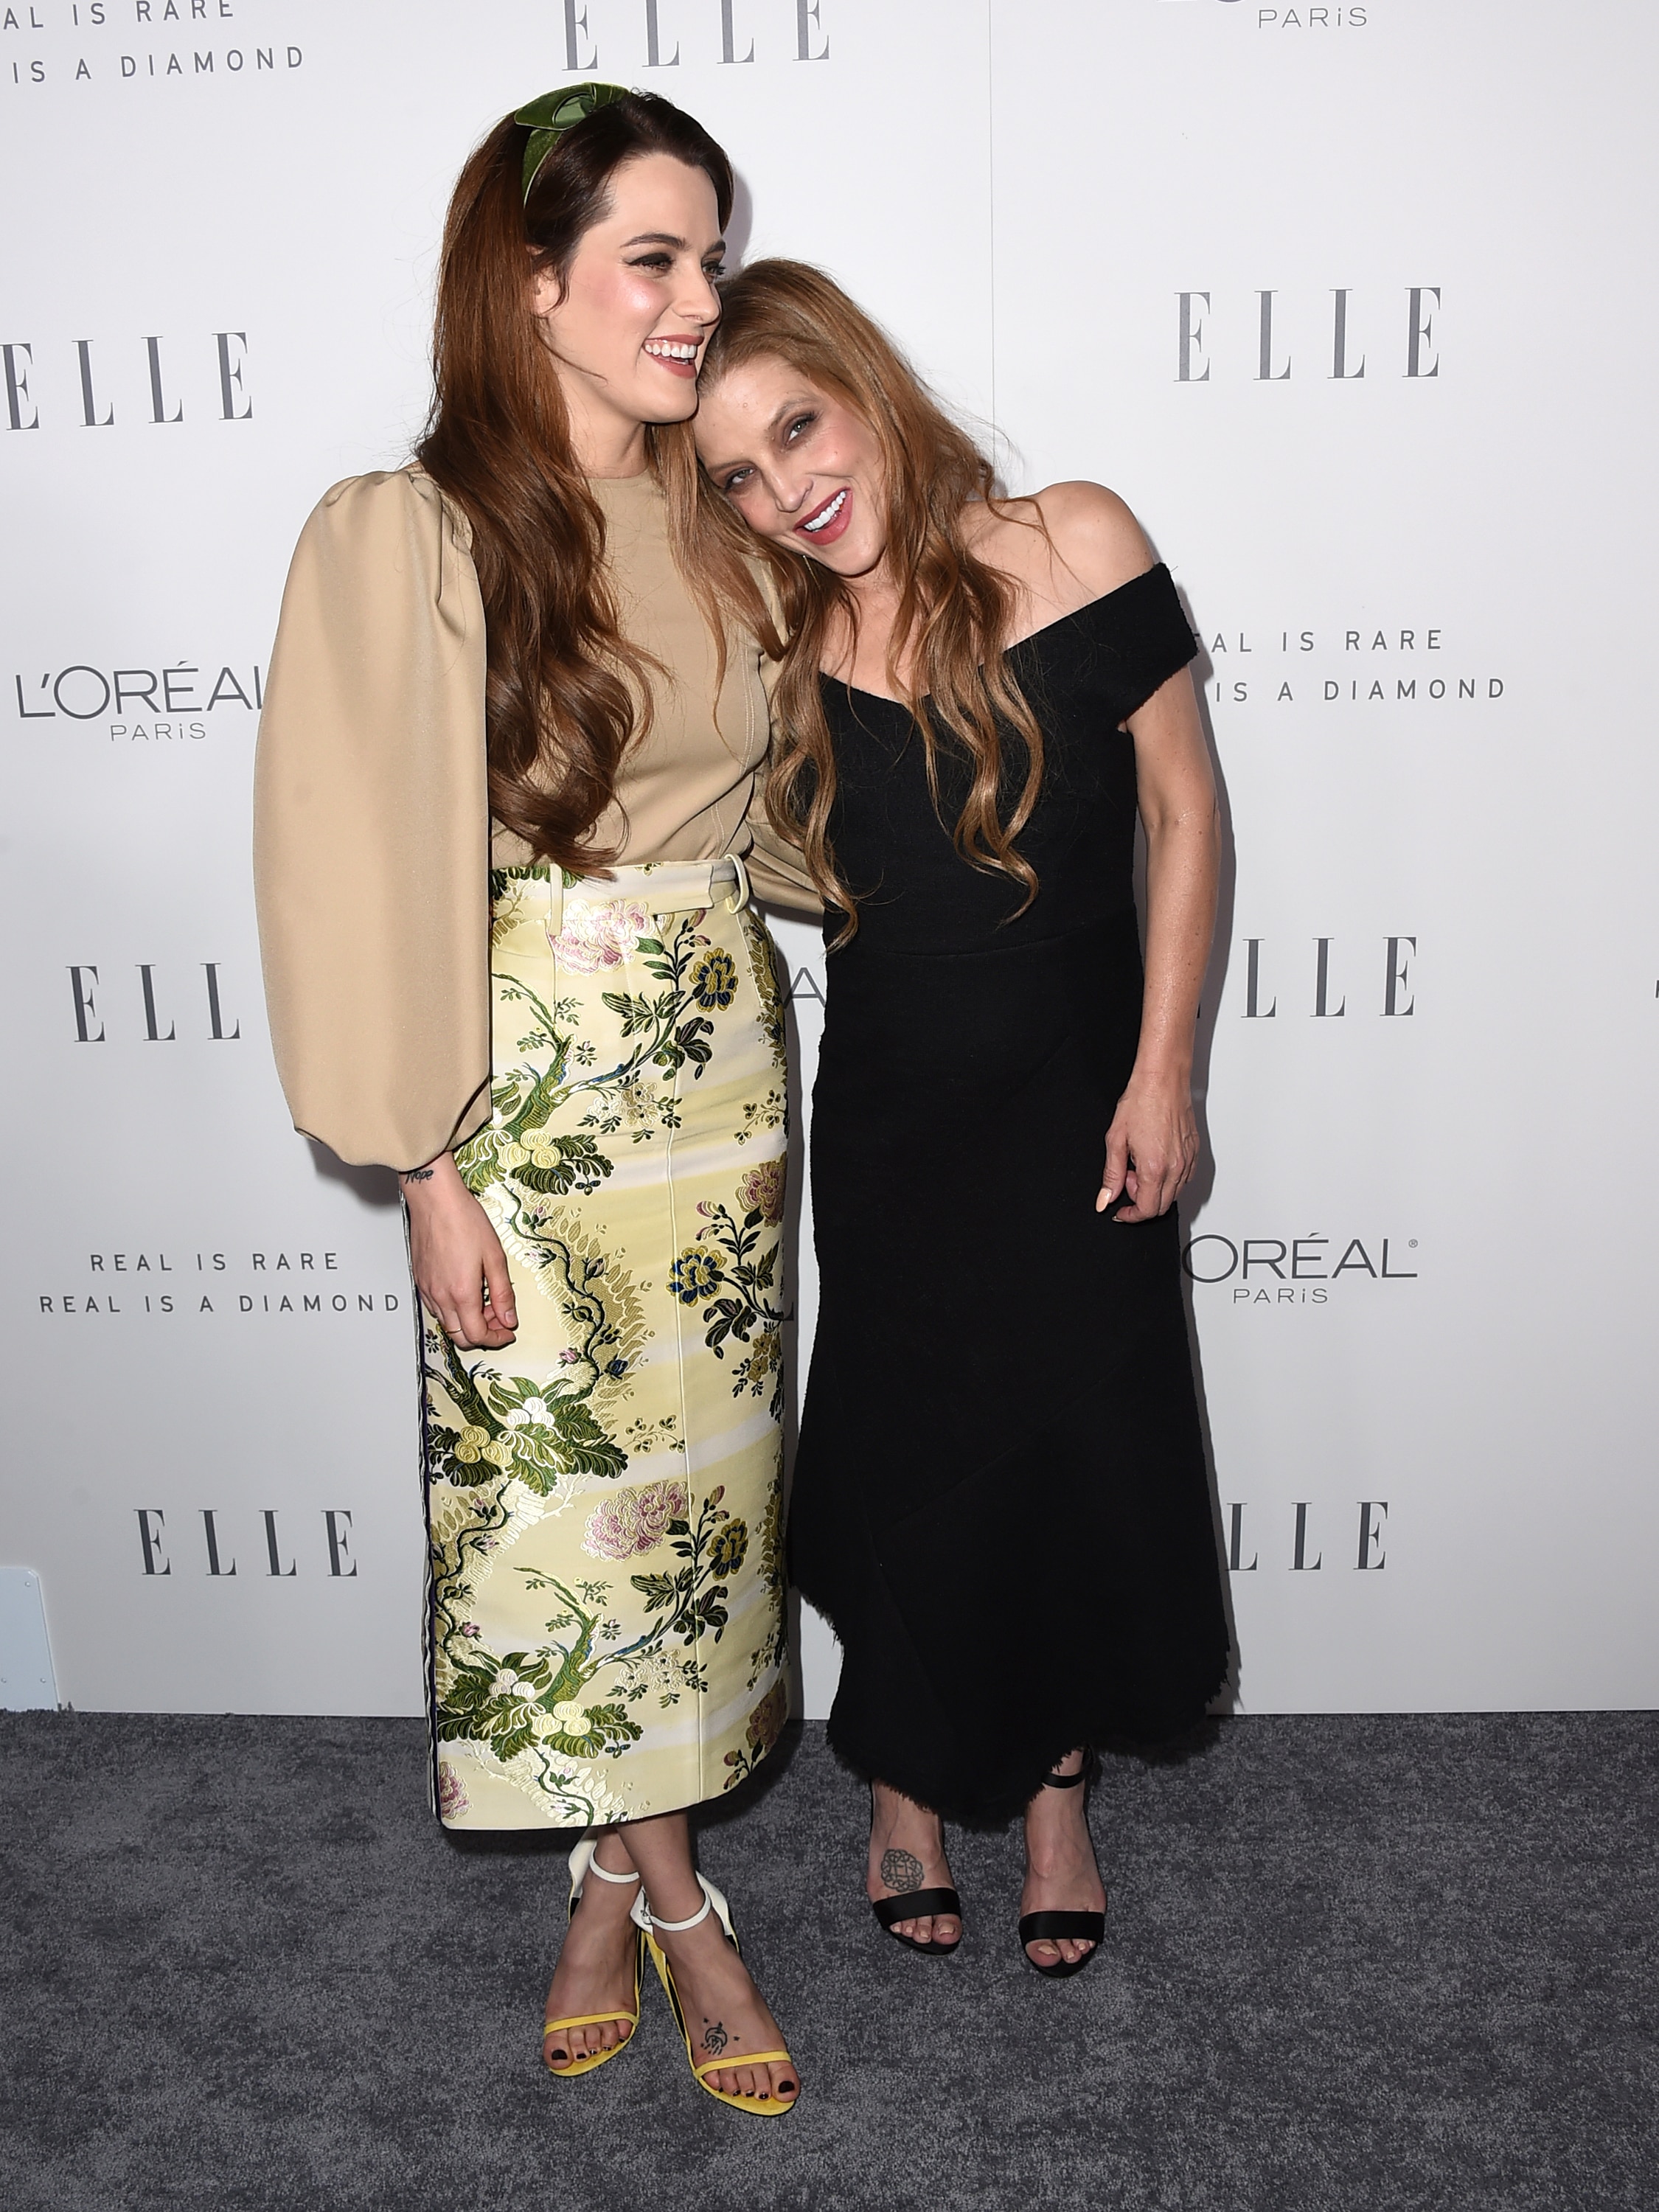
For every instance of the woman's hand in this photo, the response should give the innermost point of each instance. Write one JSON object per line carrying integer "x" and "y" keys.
{"x": 1152, "y": 1147}
{"x": 460, "y": 1269}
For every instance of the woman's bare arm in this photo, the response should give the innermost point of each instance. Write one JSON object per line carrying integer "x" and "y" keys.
{"x": 1095, "y": 545}
{"x": 1152, "y": 1147}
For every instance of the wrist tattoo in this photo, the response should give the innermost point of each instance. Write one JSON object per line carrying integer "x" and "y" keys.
{"x": 417, "y": 1174}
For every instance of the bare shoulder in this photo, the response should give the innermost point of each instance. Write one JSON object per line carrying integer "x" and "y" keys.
{"x": 1064, "y": 546}
{"x": 1094, "y": 535}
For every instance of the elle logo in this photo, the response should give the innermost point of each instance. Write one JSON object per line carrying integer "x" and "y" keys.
{"x": 84, "y": 984}
{"x": 219, "y": 1555}
{"x": 147, "y": 377}
{"x": 1414, "y": 334}
{"x": 1369, "y": 1554}
{"x": 737, "y": 20}
{"x": 1396, "y": 997}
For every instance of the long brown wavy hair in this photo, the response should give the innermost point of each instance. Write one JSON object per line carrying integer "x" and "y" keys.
{"x": 955, "y": 609}
{"x": 565, "y": 691}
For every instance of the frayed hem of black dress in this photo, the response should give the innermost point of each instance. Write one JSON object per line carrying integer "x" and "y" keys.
{"x": 992, "y": 1809}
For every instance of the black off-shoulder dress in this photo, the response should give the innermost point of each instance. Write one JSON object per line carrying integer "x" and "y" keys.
{"x": 1000, "y": 1500}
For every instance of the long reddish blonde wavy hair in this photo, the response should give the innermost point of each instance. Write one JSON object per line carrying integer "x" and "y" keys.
{"x": 955, "y": 609}
{"x": 565, "y": 693}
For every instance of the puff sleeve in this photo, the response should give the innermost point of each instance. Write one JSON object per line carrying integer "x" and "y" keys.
{"x": 371, "y": 851}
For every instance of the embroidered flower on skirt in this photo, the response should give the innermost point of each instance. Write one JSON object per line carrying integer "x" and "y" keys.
{"x": 766, "y": 1722}
{"x": 634, "y": 1520}
{"x": 763, "y": 1190}
{"x": 714, "y": 981}
{"x": 694, "y": 1276}
{"x": 596, "y": 937}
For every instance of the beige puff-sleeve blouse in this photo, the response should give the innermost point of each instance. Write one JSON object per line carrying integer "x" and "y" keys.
{"x": 372, "y": 839}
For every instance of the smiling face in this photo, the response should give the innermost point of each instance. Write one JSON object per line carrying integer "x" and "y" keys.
{"x": 798, "y": 465}
{"x": 628, "y": 327}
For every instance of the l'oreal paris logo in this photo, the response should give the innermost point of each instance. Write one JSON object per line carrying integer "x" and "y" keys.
{"x": 1288, "y": 1271}
{"x": 1290, "y": 19}
{"x": 141, "y": 705}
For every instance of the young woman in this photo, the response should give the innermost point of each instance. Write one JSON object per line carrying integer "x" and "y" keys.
{"x": 1000, "y": 1499}
{"x": 505, "y": 762}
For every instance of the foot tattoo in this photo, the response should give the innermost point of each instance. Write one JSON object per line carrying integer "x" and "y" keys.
{"x": 902, "y": 1871}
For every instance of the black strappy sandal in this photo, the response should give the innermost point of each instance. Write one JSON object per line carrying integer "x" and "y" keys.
{"x": 1048, "y": 1927}
{"x": 919, "y": 1905}
{"x": 916, "y": 1905}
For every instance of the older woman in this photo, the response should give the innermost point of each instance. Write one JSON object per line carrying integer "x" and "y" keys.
{"x": 1000, "y": 1499}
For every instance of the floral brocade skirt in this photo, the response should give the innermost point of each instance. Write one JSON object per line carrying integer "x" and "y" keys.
{"x": 605, "y": 1493}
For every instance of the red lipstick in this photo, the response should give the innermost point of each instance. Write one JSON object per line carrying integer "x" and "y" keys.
{"x": 832, "y": 517}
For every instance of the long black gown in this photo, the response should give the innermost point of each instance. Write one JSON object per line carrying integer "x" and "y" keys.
{"x": 1000, "y": 1500}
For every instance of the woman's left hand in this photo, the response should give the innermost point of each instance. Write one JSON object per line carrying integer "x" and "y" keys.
{"x": 1152, "y": 1147}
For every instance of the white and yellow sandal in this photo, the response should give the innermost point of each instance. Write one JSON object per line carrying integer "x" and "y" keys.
{"x": 582, "y": 1864}
{"x": 767, "y": 2105}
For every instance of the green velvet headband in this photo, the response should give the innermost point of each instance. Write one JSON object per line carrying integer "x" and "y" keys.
{"x": 548, "y": 118}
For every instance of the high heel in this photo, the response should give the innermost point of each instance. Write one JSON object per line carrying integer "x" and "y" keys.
{"x": 1049, "y": 1927}
{"x": 582, "y": 1864}
{"x": 765, "y": 2104}
{"x": 917, "y": 1905}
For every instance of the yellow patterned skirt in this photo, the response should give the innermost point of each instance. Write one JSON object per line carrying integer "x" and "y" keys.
{"x": 605, "y": 1500}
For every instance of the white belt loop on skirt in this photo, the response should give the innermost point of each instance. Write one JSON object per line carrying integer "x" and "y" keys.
{"x": 660, "y": 886}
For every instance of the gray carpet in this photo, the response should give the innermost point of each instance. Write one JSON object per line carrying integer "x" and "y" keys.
{"x": 1369, "y": 1963}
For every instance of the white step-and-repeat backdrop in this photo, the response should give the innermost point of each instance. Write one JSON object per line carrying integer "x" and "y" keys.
{"x": 1351, "y": 302}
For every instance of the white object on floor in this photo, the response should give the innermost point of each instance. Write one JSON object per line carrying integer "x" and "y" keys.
{"x": 27, "y": 1682}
